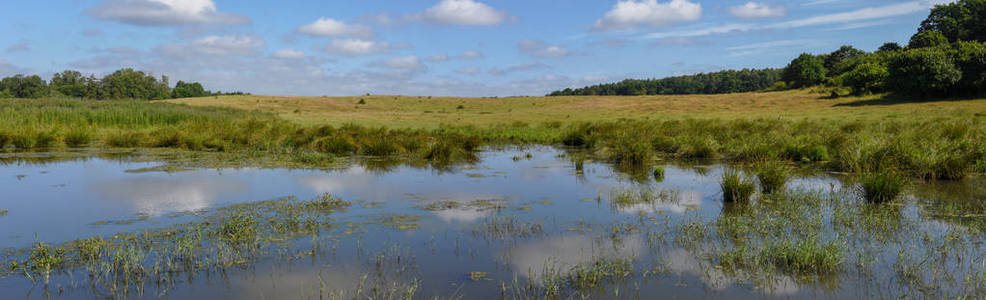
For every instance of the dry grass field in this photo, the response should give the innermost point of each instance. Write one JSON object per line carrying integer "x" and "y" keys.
{"x": 432, "y": 112}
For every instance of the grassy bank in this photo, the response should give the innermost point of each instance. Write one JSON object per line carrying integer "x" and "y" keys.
{"x": 935, "y": 140}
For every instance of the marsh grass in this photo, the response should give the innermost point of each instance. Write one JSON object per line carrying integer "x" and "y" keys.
{"x": 881, "y": 187}
{"x": 658, "y": 173}
{"x": 502, "y": 227}
{"x": 772, "y": 176}
{"x": 736, "y": 187}
{"x": 127, "y": 263}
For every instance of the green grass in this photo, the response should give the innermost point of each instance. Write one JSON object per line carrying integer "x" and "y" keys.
{"x": 772, "y": 176}
{"x": 881, "y": 187}
{"x": 932, "y": 140}
{"x": 736, "y": 187}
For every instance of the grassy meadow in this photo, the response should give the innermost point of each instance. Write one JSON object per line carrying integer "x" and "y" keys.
{"x": 920, "y": 139}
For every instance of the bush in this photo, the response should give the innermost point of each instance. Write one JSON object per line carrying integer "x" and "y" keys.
{"x": 867, "y": 78}
{"x": 735, "y": 187}
{"x": 922, "y": 72}
{"x": 659, "y": 173}
{"x": 806, "y": 70}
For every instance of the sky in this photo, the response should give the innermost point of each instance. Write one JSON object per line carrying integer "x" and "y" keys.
{"x": 434, "y": 47}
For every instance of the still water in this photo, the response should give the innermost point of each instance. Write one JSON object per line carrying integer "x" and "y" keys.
{"x": 451, "y": 251}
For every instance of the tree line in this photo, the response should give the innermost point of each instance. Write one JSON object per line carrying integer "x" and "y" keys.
{"x": 729, "y": 81}
{"x": 945, "y": 58}
{"x": 121, "y": 84}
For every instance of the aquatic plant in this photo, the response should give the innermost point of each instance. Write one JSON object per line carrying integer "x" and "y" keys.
{"x": 881, "y": 187}
{"x": 772, "y": 176}
{"x": 659, "y": 173}
{"x": 736, "y": 187}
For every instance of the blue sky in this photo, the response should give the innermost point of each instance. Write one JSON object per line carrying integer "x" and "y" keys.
{"x": 434, "y": 47}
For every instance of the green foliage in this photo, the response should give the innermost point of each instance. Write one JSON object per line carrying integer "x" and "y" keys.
{"x": 923, "y": 72}
{"x": 132, "y": 84}
{"x": 772, "y": 175}
{"x": 186, "y": 90}
{"x": 804, "y": 71}
{"x": 804, "y": 257}
{"x": 889, "y": 47}
{"x": 736, "y": 187}
{"x": 957, "y": 21}
{"x": 867, "y": 78}
{"x": 839, "y": 61}
{"x": 881, "y": 187}
{"x": 659, "y": 173}
{"x": 730, "y": 81}
{"x": 21, "y": 86}
{"x": 926, "y": 39}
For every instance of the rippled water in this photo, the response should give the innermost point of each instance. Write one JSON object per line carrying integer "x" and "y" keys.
{"x": 63, "y": 201}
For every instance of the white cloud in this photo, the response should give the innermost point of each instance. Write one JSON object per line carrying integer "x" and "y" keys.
{"x": 773, "y": 44}
{"x": 289, "y": 54}
{"x": 356, "y": 47}
{"x": 633, "y": 13}
{"x": 868, "y": 13}
{"x": 539, "y": 49}
{"x": 754, "y": 10}
{"x": 7, "y": 69}
{"x": 400, "y": 62}
{"x": 517, "y": 68}
{"x": 332, "y": 27}
{"x": 468, "y": 71}
{"x": 471, "y": 54}
{"x": 165, "y": 13}
{"x": 462, "y": 12}
{"x": 437, "y": 58}
{"x": 858, "y": 18}
{"x": 217, "y": 45}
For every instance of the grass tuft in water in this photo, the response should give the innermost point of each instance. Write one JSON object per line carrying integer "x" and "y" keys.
{"x": 772, "y": 176}
{"x": 736, "y": 187}
{"x": 659, "y": 173}
{"x": 881, "y": 187}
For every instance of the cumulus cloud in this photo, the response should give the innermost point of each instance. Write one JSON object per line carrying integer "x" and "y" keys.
{"x": 539, "y": 49}
{"x": 289, "y": 54}
{"x": 633, "y": 13}
{"x": 754, "y": 10}
{"x": 401, "y": 62}
{"x": 331, "y": 27}
{"x": 165, "y": 13}
{"x": 517, "y": 68}
{"x": 471, "y": 54}
{"x": 462, "y": 12}
{"x": 218, "y": 45}
{"x": 468, "y": 71}
{"x": 7, "y": 69}
{"x": 353, "y": 47}
{"x": 437, "y": 58}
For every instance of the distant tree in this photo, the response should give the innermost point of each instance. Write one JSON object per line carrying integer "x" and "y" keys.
{"x": 867, "y": 78}
{"x": 923, "y": 72}
{"x": 889, "y": 47}
{"x": 926, "y": 39}
{"x": 730, "y": 81}
{"x": 837, "y": 61}
{"x": 963, "y": 20}
{"x": 69, "y": 83}
{"x": 970, "y": 58}
{"x": 131, "y": 84}
{"x": 806, "y": 70}
{"x": 21, "y": 86}
{"x": 185, "y": 90}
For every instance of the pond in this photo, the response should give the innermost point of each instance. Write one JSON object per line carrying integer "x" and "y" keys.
{"x": 519, "y": 223}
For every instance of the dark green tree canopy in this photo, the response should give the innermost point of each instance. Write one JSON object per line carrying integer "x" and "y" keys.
{"x": 806, "y": 70}
{"x": 890, "y": 47}
{"x": 928, "y": 39}
{"x": 963, "y": 20}
{"x": 21, "y": 86}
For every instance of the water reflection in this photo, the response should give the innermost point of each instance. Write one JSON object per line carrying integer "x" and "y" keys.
{"x": 533, "y": 259}
{"x": 157, "y": 196}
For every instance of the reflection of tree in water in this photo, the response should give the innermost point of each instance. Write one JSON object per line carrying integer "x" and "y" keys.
{"x": 960, "y": 202}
